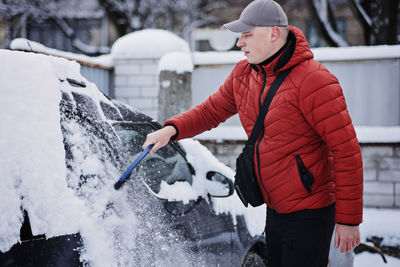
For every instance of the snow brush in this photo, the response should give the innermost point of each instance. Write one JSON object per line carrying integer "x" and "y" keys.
{"x": 126, "y": 174}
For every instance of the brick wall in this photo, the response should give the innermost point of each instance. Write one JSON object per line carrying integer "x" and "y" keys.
{"x": 136, "y": 83}
{"x": 381, "y": 169}
{"x": 381, "y": 175}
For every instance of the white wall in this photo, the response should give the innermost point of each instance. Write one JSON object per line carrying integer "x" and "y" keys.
{"x": 371, "y": 89}
{"x": 206, "y": 80}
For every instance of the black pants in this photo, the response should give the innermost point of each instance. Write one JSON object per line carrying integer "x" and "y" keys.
{"x": 301, "y": 238}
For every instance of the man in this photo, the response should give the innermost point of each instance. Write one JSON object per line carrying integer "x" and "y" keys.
{"x": 307, "y": 129}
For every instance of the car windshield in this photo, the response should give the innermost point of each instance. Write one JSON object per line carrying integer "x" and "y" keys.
{"x": 166, "y": 165}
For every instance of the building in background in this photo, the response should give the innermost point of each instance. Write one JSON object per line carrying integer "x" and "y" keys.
{"x": 91, "y": 27}
{"x": 73, "y": 25}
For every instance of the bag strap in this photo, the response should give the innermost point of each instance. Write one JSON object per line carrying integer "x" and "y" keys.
{"x": 265, "y": 106}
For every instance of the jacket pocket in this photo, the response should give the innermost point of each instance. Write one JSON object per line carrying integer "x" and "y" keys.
{"x": 307, "y": 179}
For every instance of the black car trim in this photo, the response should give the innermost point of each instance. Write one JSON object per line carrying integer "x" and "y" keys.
{"x": 26, "y": 230}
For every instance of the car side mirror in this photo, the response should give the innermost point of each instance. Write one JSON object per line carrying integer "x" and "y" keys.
{"x": 219, "y": 185}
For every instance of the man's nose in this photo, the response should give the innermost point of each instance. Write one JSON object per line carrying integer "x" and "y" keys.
{"x": 240, "y": 42}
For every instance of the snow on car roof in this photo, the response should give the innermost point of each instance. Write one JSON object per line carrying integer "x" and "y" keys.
{"x": 31, "y": 146}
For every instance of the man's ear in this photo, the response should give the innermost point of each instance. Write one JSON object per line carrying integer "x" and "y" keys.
{"x": 275, "y": 33}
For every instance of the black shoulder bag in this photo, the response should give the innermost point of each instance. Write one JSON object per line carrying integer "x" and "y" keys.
{"x": 246, "y": 184}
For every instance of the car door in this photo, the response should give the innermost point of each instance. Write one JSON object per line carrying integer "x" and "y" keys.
{"x": 206, "y": 233}
{"x": 167, "y": 174}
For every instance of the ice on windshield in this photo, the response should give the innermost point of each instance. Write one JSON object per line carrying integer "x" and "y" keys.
{"x": 165, "y": 166}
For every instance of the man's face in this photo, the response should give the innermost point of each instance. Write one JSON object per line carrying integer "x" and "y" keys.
{"x": 256, "y": 44}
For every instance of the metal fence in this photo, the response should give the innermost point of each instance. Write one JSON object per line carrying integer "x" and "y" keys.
{"x": 371, "y": 84}
{"x": 102, "y": 76}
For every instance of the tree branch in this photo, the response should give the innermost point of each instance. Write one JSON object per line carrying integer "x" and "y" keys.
{"x": 361, "y": 13}
{"x": 321, "y": 10}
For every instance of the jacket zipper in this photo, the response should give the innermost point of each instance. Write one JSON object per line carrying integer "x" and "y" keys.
{"x": 260, "y": 137}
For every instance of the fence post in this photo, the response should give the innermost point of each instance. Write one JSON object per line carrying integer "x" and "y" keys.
{"x": 175, "y": 94}
{"x": 136, "y": 58}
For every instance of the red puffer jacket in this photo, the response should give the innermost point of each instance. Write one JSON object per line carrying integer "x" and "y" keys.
{"x": 307, "y": 127}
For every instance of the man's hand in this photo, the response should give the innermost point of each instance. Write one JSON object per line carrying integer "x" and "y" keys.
{"x": 347, "y": 237}
{"x": 159, "y": 138}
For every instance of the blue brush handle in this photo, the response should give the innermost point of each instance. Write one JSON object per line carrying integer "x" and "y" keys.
{"x": 121, "y": 180}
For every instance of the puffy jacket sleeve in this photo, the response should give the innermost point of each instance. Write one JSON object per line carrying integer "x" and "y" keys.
{"x": 323, "y": 105}
{"x": 215, "y": 109}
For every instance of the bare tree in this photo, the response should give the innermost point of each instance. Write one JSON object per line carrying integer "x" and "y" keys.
{"x": 179, "y": 16}
{"x": 378, "y": 17}
{"x": 19, "y": 13}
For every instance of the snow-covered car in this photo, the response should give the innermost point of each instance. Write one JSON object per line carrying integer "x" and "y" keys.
{"x": 63, "y": 146}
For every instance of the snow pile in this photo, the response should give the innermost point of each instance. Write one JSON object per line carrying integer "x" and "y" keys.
{"x": 32, "y": 161}
{"x": 176, "y": 61}
{"x": 374, "y": 260}
{"x": 148, "y": 44}
{"x": 28, "y": 45}
{"x": 375, "y": 219}
{"x": 381, "y": 223}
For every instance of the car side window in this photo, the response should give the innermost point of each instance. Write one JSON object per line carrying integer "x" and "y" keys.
{"x": 166, "y": 165}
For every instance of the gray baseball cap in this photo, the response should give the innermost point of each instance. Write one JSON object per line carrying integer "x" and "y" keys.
{"x": 262, "y": 13}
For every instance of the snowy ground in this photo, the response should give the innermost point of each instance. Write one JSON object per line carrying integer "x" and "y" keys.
{"x": 374, "y": 260}
{"x": 383, "y": 223}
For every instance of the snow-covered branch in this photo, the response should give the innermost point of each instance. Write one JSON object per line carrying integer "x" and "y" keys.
{"x": 379, "y": 20}
{"x": 19, "y": 13}
{"x": 322, "y": 9}
{"x": 179, "y": 16}
{"x": 366, "y": 19}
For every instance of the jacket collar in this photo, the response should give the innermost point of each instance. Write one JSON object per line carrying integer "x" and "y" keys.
{"x": 295, "y": 51}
